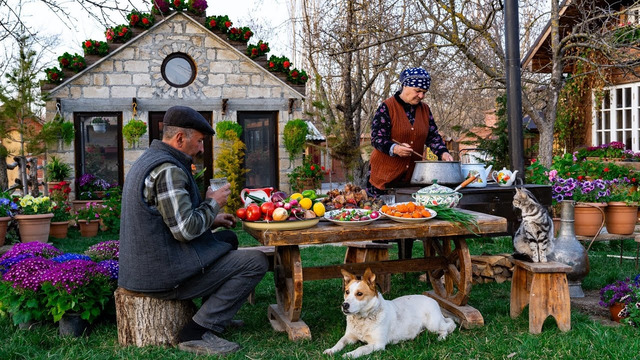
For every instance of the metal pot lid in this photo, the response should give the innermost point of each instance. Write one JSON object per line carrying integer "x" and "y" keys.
{"x": 435, "y": 189}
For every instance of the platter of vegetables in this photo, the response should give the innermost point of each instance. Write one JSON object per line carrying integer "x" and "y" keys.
{"x": 282, "y": 212}
{"x": 352, "y": 217}
{"x": 408, "y": 212}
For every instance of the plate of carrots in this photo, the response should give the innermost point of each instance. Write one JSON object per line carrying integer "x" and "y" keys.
{"x": 407, "y": 212}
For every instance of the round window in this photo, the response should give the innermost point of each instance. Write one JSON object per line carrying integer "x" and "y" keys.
{"x": 178, "y": 70}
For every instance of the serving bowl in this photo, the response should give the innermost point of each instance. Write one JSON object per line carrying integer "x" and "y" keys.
{"x": 436, "y": 195}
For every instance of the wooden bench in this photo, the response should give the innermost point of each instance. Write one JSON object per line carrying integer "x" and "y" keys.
{"x": 270, "y": 251}
{"x": 143, "y": 320}
{"x": 367, "y": 251}
{"x": 544, "y": 287}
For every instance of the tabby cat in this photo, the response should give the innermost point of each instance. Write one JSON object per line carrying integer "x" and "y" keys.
{"x": 534, "y": 238}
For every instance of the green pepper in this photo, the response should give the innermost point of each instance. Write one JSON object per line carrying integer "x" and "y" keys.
{"x": 311, "y": 194}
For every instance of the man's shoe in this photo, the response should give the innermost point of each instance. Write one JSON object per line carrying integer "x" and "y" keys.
{"x": 210, "y": 344}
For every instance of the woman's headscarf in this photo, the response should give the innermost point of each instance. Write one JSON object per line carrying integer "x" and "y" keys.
{"x": 416, "y": 77}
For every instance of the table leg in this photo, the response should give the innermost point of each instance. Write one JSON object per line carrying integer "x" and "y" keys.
{"x": 285, "y": 316}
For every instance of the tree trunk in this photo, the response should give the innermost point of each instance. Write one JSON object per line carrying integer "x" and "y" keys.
{"x": 143, "y": 320}
{"x": 4, "y": 178}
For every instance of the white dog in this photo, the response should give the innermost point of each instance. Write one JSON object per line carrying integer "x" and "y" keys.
{"x": 378, "y": 322}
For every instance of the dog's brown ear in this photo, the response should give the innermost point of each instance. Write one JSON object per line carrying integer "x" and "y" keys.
{"x": 370, "y": 278}
{"x": 347, "y": 276}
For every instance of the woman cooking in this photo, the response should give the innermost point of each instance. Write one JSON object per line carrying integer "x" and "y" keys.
{"x": 405, "y": 119}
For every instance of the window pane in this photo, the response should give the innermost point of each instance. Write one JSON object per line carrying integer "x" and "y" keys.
{"x": 100, "y": 148}
{"x": 598, "y": 120}
{"x": 607, "y": 121}
{"x": 607, "y": 138}
{"x": 618, "y": 98}
{"x": 619, "y": 119}
{"x": 627, "y": 97}
{"x": 627, "y": 140}
{"x": 619, "y": 136}
{"x": 607, "y": 100}
{"x": 627, "y": 118}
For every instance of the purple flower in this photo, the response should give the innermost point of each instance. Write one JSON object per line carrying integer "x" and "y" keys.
{"x": 74, "y": 274}
{"x": 29, "y": 273}
{"x": 619, "y": 291}
{"x": 86, "y": 179}
{"x": 34, "y": 248}
{"x": 106, "y": 250}
{"x": 7, "y": 263}
{"x": 112, "y": 266}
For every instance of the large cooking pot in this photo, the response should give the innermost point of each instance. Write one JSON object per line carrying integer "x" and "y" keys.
{"x": 444, "y": 172}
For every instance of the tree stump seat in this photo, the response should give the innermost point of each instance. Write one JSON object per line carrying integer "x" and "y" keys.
{"x": 367, "y": 251}
{"x": 544, "y": 287}
{"x": 143, "y": 320}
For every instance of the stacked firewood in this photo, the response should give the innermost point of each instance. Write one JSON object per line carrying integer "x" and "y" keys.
{"x": 490, "y": 268}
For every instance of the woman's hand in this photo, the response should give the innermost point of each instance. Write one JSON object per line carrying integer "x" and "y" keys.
{"x": 402, "y": 150}
{"x": 447, "y": 157}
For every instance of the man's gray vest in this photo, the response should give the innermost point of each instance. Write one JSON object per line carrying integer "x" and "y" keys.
{"x": 151, "y": 259}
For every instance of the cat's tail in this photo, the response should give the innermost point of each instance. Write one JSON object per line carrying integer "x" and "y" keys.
{"x": 521, "y": 256}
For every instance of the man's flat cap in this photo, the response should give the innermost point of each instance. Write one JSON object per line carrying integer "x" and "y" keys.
{"x": 186, "y": 117}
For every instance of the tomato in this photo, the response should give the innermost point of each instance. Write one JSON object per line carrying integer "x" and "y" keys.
{"x": 267, "y": 208}
{"x": 253, "y": 212}
{"x": 241, "y": 213}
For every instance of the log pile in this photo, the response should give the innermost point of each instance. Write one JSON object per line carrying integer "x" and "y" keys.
{"x": 490, "y": 268}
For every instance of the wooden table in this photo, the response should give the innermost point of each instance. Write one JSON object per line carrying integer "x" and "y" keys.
{"x": 446, "y": 259}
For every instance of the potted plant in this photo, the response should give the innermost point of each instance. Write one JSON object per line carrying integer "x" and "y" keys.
{"x": 298, "y": 77}
{"x": 95, "y": 47}
{"x": 133, "y": 130}
{"x": 91, "y": 187}
{"x": 88, "y": 218}
{"x": 34, "y": 218}
{"x": 118, "y": 34}
{"x": 621, "y": 213}
{"x": 197, "y": 7}
{"x": 257, "y": 50}
{"x": 631, "y": 312}
{"x": 60, "y": 220}
{"x": 279, "y": 64}
{"x": 7, "y": 209}
{"x": 99, "y": 124}
{"x": 295, "y": 137}
{"x": 241, "y": 34}
{"x": 220, "y": 23}
{"x": 56, "y": 172}
{"x": 160, "y": 6}
{"x": 77, "y": 289}
{"x": 617, "y": 295}
{"x": 54, "y": 75}
{"x": 140, "y": 20}
{"x": 106, "y": 250}
{"x": 306, "y": 176}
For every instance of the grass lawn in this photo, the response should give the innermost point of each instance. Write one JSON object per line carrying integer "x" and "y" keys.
{"x": 500, "y": 338}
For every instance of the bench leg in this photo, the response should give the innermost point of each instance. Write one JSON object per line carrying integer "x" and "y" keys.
{"x": 519, "y": 292}
{"x": 542, "y": 306}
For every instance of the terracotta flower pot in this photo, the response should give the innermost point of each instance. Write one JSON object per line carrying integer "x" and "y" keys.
{"x": 79, "y": 204}
{"x": 614, "y": 310}
{"x": 89, "y": 228}
{"x": 588, "y": 218}
{"x": 621, "y": 218}
{"x": 34, "y": 227}
{"x": 59, "y": 229}
{"x": 4, "y": 224}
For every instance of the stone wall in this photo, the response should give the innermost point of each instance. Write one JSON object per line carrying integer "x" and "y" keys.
{"x": 133, "y": 70}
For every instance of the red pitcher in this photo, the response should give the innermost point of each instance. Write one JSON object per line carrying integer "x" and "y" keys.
{"x": 262, "y": 193}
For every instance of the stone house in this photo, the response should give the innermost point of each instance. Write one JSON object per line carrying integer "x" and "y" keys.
{"x": 178, "y": 61}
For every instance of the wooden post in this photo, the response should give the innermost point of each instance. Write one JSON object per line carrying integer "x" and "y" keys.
{"x": 143, "y": 320}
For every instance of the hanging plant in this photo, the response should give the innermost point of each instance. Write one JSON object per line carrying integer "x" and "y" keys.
{"x": 133, "y": 130}
{"x": 295, "y": 137}
{"x": 54, "y": 75}
{"x": 240, "y": 34}
{"x": 95, "y": 47}
{"x": 258, "y": 50}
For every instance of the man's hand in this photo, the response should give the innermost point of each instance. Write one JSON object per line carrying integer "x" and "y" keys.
{"x": 447, "y": 157}
{"x": 220, "y": 196}
{"x": 226, "y": 220}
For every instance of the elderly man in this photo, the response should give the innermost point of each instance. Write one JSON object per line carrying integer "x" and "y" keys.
{"x": 407, "y": 120}
{"x": 167, "y": 248}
